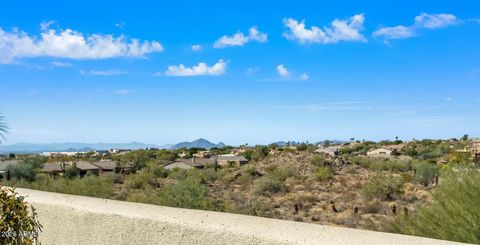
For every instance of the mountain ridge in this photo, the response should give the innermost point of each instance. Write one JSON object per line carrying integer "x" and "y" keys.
{"x": 23, "y": 147}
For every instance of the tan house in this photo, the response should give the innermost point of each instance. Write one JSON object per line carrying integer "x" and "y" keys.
{"x": 52, "y": 168}
{"x": 86, "y": 167}
{"x": 106, "y": 165}
{"x": 195, "y": 162}
{"x": 224, "y": 160}
{"x": 380, "y": 152}
{"x": 202, "y": 154}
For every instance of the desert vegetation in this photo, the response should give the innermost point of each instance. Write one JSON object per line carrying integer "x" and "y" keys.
{"x": 424, "y": 189}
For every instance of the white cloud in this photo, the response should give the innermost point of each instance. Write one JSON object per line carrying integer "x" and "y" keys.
{"x": 422, "y": 21}
{"x": 201, "y": 69}
{"x": 239, "y": 39}
{"x": 304, "y": 76}
{"x": 102, "y": 72}
{"x": 282, "y": 71}
{"x": 44, "y": 26}
{"x": 70, "y": 44}
{"x": 255, "y": 35}
{"x": 340, "y": 30}
{"x": 435, "y": 21}
{"x": 196, "y": 47}
{"x": 396, "y": 32}
{"x": 61, "y": 64}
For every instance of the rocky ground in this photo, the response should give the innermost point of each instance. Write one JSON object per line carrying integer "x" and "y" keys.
{"x": 337, "y": 201}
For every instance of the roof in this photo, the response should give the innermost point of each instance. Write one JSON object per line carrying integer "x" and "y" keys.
{"x": 380, "y": 149}
{"x": 194, "y": 162}
{"x": 5, "y": 164}
{"x": 51, "y": 167}
{"x": 394, "y": 147}
{"x": 178, "y": 164}
{"x": 230, "y": 158}
{"x": 106, "y": 165}
{"x": 82, "y": 165}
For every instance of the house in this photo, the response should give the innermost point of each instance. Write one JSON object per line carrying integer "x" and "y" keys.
{"x": 106, "y": 165}
{"x": 119, "y": 151}
{"x": 395, "y": 148}
{"x": 224, "y": 160}
{"x": 62, "y": 153}
{"x": 52, "y": 168}
{"x": 86, "y": 167}
{"x": 4, "y": 164}
{"x": 202, "y": 154}
{"x": 380, "y": 152}
{"x": 182, "y": 154}
{"x": 192, "y": 163}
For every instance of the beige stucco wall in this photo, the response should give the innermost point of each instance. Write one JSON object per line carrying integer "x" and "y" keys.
{"x": 69, "y": 219}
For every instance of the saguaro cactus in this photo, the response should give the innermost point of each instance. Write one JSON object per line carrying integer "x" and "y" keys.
{"x": 334, "y": 209}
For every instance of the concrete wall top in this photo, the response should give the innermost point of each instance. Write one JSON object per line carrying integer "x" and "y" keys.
{"x": 69, "y": 219}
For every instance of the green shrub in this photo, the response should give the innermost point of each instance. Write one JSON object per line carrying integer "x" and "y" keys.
{"x": 140, "y": 180}
{"x": 302, "y": 147}
{"x": 187, "y": 193}
{"x": 18, "y": 224}
{"x": 157, "y": 170}
{"x": 117, "y": 178}
{"x": 280, "y": 173}
{"x": 94, "y": 186}
{"x": 22, "y": 171}
{"x": 383, "y": 186}
{"x": 323, "y": 173}
{"x": 177, "y": 173}
{"x": 425, "y": 173}
{"x": 228, "y": 178}
{"x": 391, "y": 165}
{"x": 148, "y": 195}
{"x": 271, "y": 185}
{"x": 71, "y": 172}
{"x": 453, "y": 214}
{"x": 319, "y": 161}
{"x": 361, "y": 161}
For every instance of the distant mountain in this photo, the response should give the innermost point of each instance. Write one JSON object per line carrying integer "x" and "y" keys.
{"x": 200, "y": 143}
{"x": 36, "y": 148}
{"x": 280, "y": 143}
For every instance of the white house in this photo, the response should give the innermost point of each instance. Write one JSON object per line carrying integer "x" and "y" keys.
{"x": 380, "y": 152}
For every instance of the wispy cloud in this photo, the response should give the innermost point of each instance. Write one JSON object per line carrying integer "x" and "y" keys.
{"x": 123, "y": 91}
{"x": 435, "y": 21}
{"x": 304, "y": 76}
{"x": 334, "y": 106}
{"x": 251, "y": 70}
{"x": 201, "y": 69}
{"x": 102, "y": 72}
{"x": 70, "y": 44}
{"x": 430, "y": 119}
{"x": 120, "y": 25}
{"x": 61, "y": 64}
{"x": 422, "y": 21}
{"x": 339, "y": 30}
{"x": 196, "y": 47}
{"x": 239, "y": 39}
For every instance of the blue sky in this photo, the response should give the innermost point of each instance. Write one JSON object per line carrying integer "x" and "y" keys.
{"x": 253, "y": 71}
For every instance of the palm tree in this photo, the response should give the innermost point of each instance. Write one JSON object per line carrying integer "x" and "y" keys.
{"x": 3, "y": 128}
